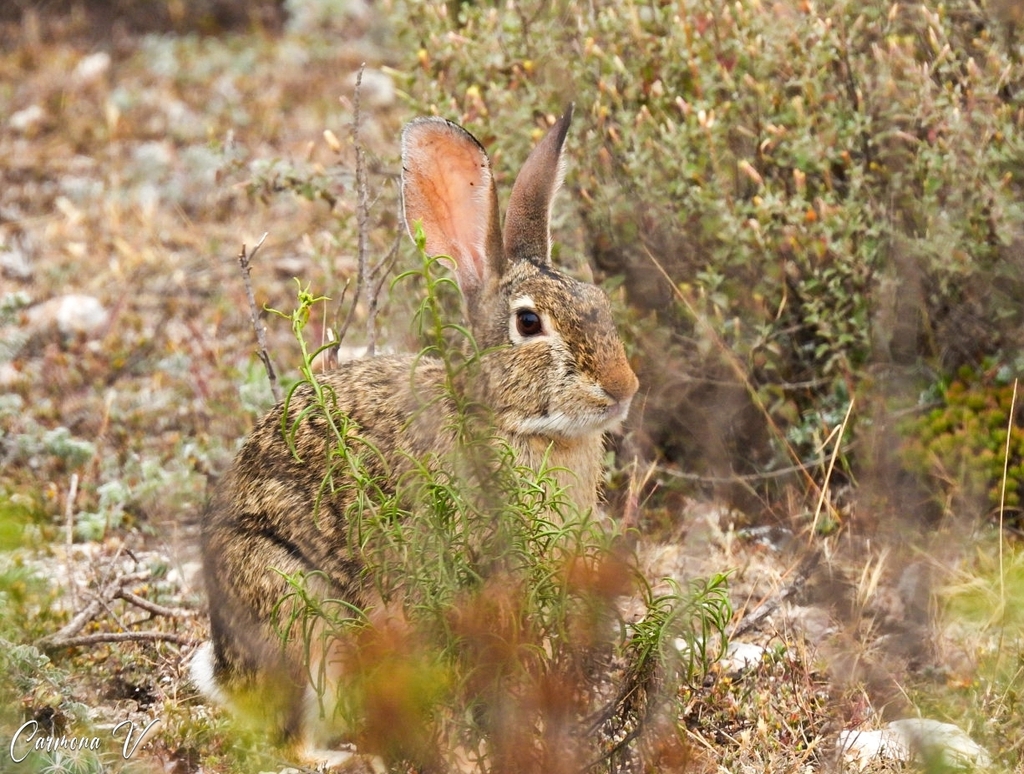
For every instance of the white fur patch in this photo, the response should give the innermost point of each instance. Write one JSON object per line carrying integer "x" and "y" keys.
{"x": 556, "y": 423}
{"x": 200, "y": 670}
{"x": 559, "y": 423}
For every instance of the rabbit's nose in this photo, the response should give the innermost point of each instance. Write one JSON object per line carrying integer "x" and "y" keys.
{"x": 621, "y": 383}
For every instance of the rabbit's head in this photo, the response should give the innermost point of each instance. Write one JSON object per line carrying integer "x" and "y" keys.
{"x": 555, "y": 367}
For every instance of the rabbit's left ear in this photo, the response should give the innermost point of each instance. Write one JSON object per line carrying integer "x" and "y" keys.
{"x": 528, "y": 219}
{"x": 448, "y": 187}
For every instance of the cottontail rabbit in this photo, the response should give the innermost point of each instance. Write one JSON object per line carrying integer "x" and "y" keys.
{"x": 553, "y": 375}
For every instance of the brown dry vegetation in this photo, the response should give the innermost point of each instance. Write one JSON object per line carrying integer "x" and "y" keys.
{"x": 141, "y": 146}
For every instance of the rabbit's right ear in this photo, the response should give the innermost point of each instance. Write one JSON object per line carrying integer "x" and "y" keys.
{"x": 448, "y": 187}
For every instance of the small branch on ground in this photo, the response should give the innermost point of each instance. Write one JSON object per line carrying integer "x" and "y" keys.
{"x": 153, "y": 607}
{"x": 83, "y": 617}
{"x": 742, "y": 478}
{"x": 244, "y": 262}
{"x": 69, "y": 523}
{"x": 622, "y": 721}
{"x": 68, "y": 636}
{"x": 755, "y": 617}
{"x": 106, "y": 637}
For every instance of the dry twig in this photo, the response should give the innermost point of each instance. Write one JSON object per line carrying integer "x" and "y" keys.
{"x": 369, "y": 279}
{"x": 244, "y": 262}
{"x": 754, "y": 618}
{"x": 363, "y": 220}
{"x": 69, "y": 523}
{"x": 115, "y": 589}
{"x": 153, "y": 607}
{"x": 104, "y": 637}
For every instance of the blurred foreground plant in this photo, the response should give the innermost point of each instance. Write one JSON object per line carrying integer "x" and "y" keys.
{"x": 504, "y": 645}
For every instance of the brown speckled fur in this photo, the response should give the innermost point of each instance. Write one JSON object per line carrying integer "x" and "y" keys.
{"x": 262, "y": 517}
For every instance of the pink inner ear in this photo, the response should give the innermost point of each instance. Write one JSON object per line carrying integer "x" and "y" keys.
{"x": 446, "y": 185}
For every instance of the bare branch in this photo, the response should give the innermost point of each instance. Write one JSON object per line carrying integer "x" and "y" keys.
{"x": 244, "y": 261}
{"x": 363, "y": 222}
{"x": 383, "y": 269}
{"x": 69, "y": 522}
{"x": 754, "y": 618}
{"x": 74, "y": 626}
{"x": 108, "y": 593}
{"x": 370, "y": 279}
{"x": 153, "y": 607}
{"x": 739, "y": 478}
{"x": 113, "y": 590}
{"x": 103, "y": 637}
{"x": 348, "y": 318}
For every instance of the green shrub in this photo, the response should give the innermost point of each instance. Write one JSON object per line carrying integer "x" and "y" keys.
{"x": 962, "y": 443}
{"x": 830, "y": 187}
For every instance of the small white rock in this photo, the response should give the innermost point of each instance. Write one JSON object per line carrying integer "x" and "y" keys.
{"x": 71, "y": 315}
{"x": 904, "y": 740}
{"x": 945, "y": 739}
{"x": 860, "y": 748}
{"x": 740, "y": 656}
{"x": 27, "y": 120}
{"x": 92, "y": 67}
{"x": 188, "y": 576}
{"x": 14, "y": 263}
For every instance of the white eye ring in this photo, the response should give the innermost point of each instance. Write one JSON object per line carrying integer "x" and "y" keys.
{"x": 526, "y": 323}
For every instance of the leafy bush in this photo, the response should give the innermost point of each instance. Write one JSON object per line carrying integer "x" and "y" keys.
{"x": 795, "y": 194}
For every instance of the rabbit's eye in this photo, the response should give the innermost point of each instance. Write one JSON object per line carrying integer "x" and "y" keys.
{"x": 528, "y": 323}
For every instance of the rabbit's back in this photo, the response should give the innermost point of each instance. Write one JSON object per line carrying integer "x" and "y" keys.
{"x": 388, "y": 408}
{"x": 281, "y": 507}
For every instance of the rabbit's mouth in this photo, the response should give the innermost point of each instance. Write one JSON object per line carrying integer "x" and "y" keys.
{"x": 613, "y": 415}
{"x": 601, "y": 418}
